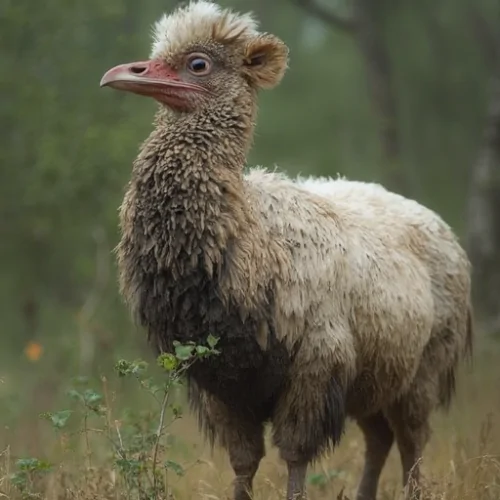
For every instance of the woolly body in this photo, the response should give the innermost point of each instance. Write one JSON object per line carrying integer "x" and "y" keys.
{"x": 317, "y": 280}
{"x": 331, "y": 298}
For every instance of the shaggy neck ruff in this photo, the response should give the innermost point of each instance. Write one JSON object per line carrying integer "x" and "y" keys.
{"x": 187, "y": 216}
{"x": 189, "y": 182}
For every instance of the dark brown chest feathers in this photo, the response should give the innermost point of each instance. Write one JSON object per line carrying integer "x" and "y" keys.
{"x": 189, "y": 309}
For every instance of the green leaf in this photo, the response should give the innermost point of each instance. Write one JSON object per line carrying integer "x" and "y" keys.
{"x": 91, "y": 397}
{"x": 58, "y": 419}
{"x": 122, "y": 366}
{"x": 19, "y": 479}
{"x": 201, "y": 350}
{"x": 139, "y": 366}
{"x": 212, "y": 341}
{"x": 174, "y": 467}
{"x": 183, "y": 352}
{"x": 74, "y": 394}
{"x": 33, "y": 465}
{"x": 189, "y": 342}
{"x": 125, "y": 368}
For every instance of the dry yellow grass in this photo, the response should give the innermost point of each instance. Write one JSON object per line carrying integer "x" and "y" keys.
{"x": 462, "y": 460}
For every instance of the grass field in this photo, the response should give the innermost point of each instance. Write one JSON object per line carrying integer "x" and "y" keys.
{"x": 462, "y": 460}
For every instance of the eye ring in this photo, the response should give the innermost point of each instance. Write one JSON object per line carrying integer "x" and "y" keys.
{"x": 199, "y": 64}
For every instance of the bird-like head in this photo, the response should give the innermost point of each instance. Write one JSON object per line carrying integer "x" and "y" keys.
{"x": 201, "y": 55}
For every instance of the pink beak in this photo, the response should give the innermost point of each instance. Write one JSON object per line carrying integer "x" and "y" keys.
{"x": 149, "y": 78}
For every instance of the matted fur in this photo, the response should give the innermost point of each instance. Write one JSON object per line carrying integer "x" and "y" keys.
{"x": 331, "y": 298}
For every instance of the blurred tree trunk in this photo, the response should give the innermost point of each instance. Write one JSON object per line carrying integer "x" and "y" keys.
{"x": 484, "y": 216}
{"x": 30, "y": 310}
{"x": 483, "y": 232}
{"x": 365, "y": 25}
{"x": 370, "y": 39}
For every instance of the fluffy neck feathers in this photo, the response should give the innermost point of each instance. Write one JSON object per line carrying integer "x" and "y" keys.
{"x": 187, "y": 211}
{"x": 187, "y": 201}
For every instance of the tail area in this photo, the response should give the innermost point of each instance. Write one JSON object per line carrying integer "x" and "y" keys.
{"x": 447, "y": 379}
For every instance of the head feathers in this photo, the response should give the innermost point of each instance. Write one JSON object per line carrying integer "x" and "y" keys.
{"x": 200, "y": 21}
{"x": 264, "y": 56}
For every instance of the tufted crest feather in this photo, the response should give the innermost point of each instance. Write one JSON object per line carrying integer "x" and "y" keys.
{"x": 200, "y": 21}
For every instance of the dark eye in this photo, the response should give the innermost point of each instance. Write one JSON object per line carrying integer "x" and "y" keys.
{"x": 199, "y": 65}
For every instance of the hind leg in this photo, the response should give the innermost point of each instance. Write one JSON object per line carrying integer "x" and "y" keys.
{"x": 378, "y": 439}
{"x": 432, "y": 387}
{"x": 410, "y": 422}
{"x": 411, "y": 442}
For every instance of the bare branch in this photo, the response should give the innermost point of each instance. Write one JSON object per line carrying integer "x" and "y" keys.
{"x": 327, "y": 16}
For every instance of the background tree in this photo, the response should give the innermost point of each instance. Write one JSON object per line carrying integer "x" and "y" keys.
{"x": 483, "y": 234}
{"x": 364, "y": 21}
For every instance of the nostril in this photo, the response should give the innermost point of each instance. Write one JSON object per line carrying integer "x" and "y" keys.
{"x": 138, "y": 70}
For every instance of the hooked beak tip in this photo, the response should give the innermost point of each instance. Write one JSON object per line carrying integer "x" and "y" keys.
{"x": 109, "y": 77}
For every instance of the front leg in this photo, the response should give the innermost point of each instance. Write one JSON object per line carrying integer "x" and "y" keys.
{"x": 243, "y": 438}
{"x": 309, "y": 418}
{"x": 245, "y": 445}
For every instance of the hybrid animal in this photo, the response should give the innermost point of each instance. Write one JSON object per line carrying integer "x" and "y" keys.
{"x": 331, "y": 299}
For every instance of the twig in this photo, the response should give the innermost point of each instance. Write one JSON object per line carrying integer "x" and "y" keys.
{"x": 117, "y": 427}
{"x": 159, "y": 433}
{"x": 122, "y": 454}
{"x": 87, "y": 442}
{"x": 107, "y": 402}
{"x": 312, "y": 7}
{"x": 161, "y": 424}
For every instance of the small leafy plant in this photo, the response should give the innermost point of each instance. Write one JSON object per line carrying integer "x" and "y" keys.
{"x": 28, "y": 472}
{"x": 138, "y": 442}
